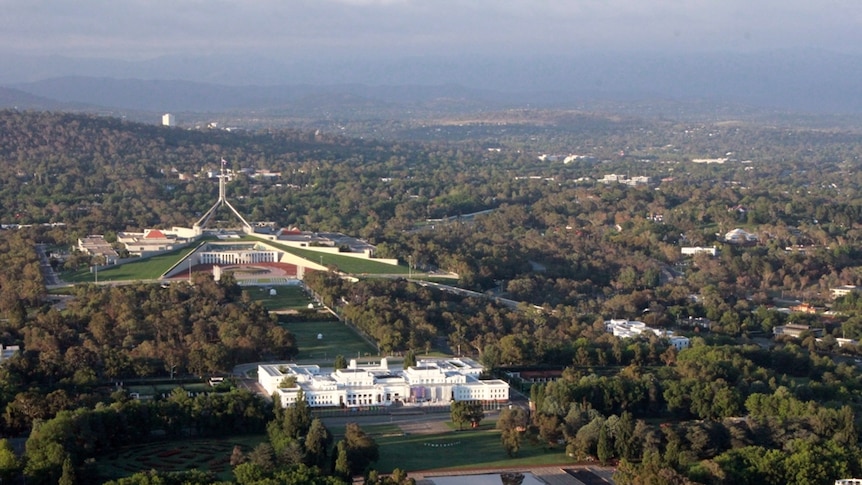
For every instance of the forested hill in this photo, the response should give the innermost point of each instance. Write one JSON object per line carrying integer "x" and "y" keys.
{"x": 105, "y": 173}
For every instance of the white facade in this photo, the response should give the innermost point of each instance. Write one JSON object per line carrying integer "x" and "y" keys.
{"x": 679, "y": 342}
{"x": 168, "y": 120}
{"x": 238, "y": 257}
{"x": 740, "y": 236}
{"x": 690, "y": 251}
{"x": 628, "y": 328}
{"x": 634, "y": 329}
{"x": 435, "y": 380}
{"x": 843, "y": 290}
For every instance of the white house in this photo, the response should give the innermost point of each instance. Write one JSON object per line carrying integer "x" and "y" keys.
{"x": 740, "y": 236}
{"x": 690, "y": 251}
{"x": 432, "y": 380}
{"x": 843, "y": 290}
{"x": 679, "y": 342}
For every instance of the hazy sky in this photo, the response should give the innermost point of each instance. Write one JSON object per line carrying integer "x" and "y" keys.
{"x": 285, "y": 29}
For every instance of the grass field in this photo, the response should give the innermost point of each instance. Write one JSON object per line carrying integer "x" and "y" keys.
{"x": 468, "y": 449}
{"x": 286, "y": 297}
{"x": 202, "y": 454}
{"x": 337, "y": 339}
{"x": 346, "y": 264}
{"x": 145, "y": 269}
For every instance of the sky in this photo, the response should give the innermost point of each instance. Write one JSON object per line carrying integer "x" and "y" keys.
{"x": 357, "y": 29}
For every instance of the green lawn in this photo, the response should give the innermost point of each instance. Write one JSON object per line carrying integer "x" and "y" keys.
{"x": 337, "y": 339}
{"x": 202, "y": 454}
{"x": 343, "y": 263}
{"x": 286, "y": 298}
{"x": 466, "y": 449}
{"x": 145, "y": 269}
{"x": 452, "y": 450}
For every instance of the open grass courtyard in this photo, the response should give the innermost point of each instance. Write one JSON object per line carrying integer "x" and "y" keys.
{"x": 288, "y": 297}
{"x": 338, "y": 339}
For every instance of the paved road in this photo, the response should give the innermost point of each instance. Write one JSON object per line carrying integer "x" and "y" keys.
{"x": 51, "y": 278}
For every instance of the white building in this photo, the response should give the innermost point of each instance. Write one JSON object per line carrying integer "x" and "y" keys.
{"x": 740, "y": 236}
{"x": 679, "y": 342}
{"x": 629, "y": 328}
{"x": 96, "y": 245}
{"x": 6, "y": 352}
{"x": 634, "y": 329}
{"x": 843, "y": 290}
{"x": 151, "y": 241}
{"x": 433, "y": 380}
{"x": 691, "y": 251}
{"x": 168, "y": 120}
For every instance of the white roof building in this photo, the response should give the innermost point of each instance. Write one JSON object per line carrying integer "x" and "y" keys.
{"x": 432, "y": 380}
{"x": 634, "y": 328}
{"x": 740, "y": 236}
{"x": 628, "y": 328}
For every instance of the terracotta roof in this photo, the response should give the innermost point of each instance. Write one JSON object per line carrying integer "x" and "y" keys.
{"x": 155, "y": 234}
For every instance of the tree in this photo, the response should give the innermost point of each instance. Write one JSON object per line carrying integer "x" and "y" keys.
{"x": 513, "y": 424}
{"x": 297, "y": 418}
{"x": 458, "y": 413}
{"x": 237, "y": 456}
{"x": 409, "y": 359}
{"x": 317, "y": 443}
{"x": 604, "y": 448}
{"x": 340, "y": 362}
{"x": 361, "y": 449}
{"x": 342, "y": 463}
{"x": 10, "y": 466}
{"x": 68, "y": 474}
{"x": 262, "y": 457}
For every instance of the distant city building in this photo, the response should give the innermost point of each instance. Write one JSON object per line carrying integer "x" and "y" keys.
{"x": 796, "y": 331}
{"x": 430, "y": 381}
{"x": 95, "y": 245}
{"x": 153, "y": 241}
{"x": 740, "y": 236}
{"x": 629, "y": 328}
{"x": 6, "y": 352}
{"x": 622, "y": 179}
{"x": 634, "y": 328}
{"x": 844, "y": 290}
{"x": 679, "y": 342}
{"x": 690, "y": 251}
{"x": 168, "y": 120}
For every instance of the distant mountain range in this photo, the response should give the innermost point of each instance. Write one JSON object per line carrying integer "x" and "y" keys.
{"x": 786, "y": 81}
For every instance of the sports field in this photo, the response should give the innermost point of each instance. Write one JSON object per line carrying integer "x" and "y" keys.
{"x": 338, "y": 339}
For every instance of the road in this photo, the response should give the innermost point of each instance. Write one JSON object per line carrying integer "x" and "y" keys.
{"x": 51, "y": 278}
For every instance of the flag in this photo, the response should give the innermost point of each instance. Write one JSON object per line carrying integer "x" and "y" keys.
{"x": 223, "y": 162}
